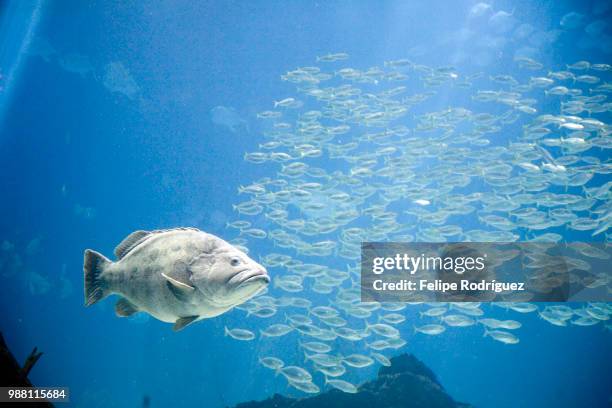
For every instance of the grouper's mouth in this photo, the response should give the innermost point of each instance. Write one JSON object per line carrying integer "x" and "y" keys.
{"x": 250, "y": 276}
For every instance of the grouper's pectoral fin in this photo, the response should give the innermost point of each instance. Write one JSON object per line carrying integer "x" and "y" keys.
{"x": 181, "y": 290}
{"x": 125, "y": 308}
{"x": 181, "y": 322}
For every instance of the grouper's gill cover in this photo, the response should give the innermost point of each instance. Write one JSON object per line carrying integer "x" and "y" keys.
{"x": 179, "y": 275}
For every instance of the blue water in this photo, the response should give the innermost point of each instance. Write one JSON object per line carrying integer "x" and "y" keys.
{"x": 86, "y": 162}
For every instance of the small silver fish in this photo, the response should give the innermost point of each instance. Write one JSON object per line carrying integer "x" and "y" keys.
{"x": 240, "y": 334}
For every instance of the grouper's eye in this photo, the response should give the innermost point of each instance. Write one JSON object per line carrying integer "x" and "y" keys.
{"x": 235, "y": 261}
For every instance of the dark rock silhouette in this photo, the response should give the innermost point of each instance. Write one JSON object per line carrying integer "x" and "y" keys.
{"x": 12, "y": 374}
{"x": 406, "y": 383}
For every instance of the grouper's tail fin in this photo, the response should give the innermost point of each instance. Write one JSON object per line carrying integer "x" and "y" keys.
{"x": 94, "y": 264}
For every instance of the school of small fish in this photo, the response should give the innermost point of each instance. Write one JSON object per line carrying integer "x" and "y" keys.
{"x": 520, "y": 157}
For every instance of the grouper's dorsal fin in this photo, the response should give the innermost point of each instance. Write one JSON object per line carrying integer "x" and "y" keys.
{"x": 130, "y": 242}
{"x": 181, "y": 290}
{"x": 138, "y": 237}
{"x": 181, "y": 322}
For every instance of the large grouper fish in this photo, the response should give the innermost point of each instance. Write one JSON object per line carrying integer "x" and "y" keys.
{"x": 179, "y": 276}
